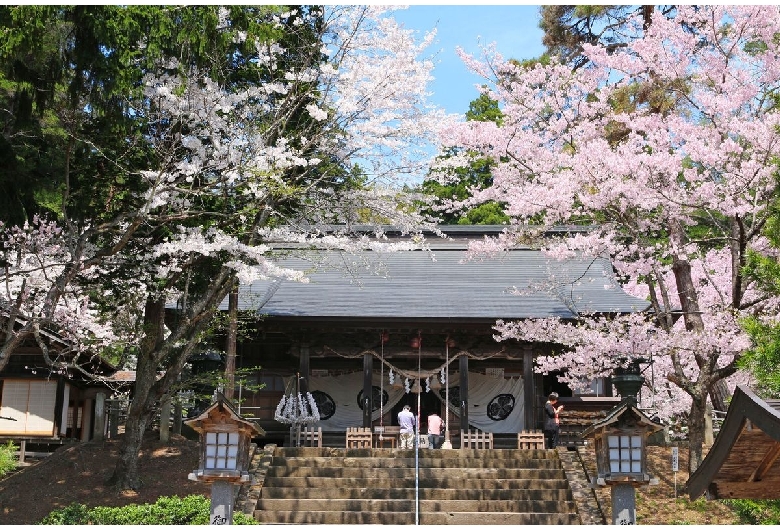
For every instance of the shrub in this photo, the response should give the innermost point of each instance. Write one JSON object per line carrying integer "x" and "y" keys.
{"x": 8, "y": 458}
{"x": 190, "y": 510}
{"x": 756, "y": 512}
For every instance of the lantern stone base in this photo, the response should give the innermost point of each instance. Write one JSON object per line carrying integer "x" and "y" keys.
{"x": 222, "y": 495}
{"x": 623, "y": 504}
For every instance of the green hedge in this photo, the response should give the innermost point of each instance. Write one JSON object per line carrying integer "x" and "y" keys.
{"x": 8, "y": 458}
{"x": 756, "y": 512}
{"x": 193, "y": 509}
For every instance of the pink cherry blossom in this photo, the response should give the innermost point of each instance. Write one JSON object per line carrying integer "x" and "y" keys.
{"x": 678, "y": 192}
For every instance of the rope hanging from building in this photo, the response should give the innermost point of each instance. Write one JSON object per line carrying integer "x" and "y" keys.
{"x": 396, "y": 372}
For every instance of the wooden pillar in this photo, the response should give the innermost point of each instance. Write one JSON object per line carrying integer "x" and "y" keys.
{"x": 464, "y": 393}
{"x": 304, "y": 368}
{"x": 59, "y": 404}
{"x": 113, "y": 419}
{"x": 177, "y": 417}
{"x": 529, "y": 389}
{"x": 84, "y": 411}
{"x": 98, "y": 430}
{"x": 368, "y": 388}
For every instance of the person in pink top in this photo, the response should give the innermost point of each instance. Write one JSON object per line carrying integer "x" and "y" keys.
{"x": 434, "y": 431}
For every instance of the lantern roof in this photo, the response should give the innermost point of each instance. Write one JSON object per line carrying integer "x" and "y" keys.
{"x": 617, "y": 414}
{"x": 222, "y": 409}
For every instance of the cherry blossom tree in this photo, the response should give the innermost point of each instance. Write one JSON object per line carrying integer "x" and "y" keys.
{"x": 329, "y": 133}
{"x": 676, "y": 185}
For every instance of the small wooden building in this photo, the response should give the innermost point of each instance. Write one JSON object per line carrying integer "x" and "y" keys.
{"x": 743, "y": 462}
{"x": 42, "y": 403}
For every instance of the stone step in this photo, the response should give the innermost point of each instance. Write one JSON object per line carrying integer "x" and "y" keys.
{"x": 427, "y": 462}
{"x": 377, "y": 486}
{"x": 542, "y": 490}
{"x": 338, "y": 439}
{"x": 409, "y": 453}
{"x": 407, "y": 505}
{"x": 425, "y": 518}
{"x": 380, "y": 473}
{"x": 518, "y": 485}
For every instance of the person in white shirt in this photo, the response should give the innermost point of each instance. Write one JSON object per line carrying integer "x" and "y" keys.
{"x": 407, "y": 422}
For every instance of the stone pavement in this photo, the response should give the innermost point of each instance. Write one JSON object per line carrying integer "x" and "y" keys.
{"x": 585, "y": 497}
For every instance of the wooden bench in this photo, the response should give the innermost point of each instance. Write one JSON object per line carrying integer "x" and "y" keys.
{"x": 476, "y": 439}
{"x": 530, "y": 440}
{"x": 310, "y": 437}
{"x": 387, "y": 434}
{"x": 359, "y": 438}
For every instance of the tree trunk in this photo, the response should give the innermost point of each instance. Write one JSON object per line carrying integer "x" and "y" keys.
{"x": 719, "y": 395}
{"x": 125, "y": 476}
{"x": 230, "y": 347}
{"x": 696, "y": 432}
{"x": 689, "y": 301}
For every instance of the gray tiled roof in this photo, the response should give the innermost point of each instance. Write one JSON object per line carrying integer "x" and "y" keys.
{"x": 440, "y": 285}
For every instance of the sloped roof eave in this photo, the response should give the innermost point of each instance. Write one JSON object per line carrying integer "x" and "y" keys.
{"x": 745, "y": 406}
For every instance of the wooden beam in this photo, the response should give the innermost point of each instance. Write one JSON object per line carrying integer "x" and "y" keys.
{"x": 766, "y": 463}
{"x": 766, "y": 489}
{"x": 368, "y": 390}
{"x": 464, "y": 392}
{"x": 529, "y": 390}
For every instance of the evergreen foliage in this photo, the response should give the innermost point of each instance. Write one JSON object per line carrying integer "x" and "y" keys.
{"x": 8, "y": 458}
{"x": 190, "y": 510}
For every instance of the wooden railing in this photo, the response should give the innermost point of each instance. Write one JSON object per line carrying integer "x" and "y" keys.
{"x": 530, "y": 440}
{"x": 387, "y": 434}
{"x": 476, "y": 439}
{"x": 310, "y": 437}
{"x": 359, "y": 437}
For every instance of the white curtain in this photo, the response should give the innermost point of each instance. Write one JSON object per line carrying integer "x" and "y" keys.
{"x": 506, "y": 396}
{"x": 486, "y": 389}
{"x": 344, "y": 390}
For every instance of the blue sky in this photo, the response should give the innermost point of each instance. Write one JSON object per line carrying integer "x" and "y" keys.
{"x": 514, "y": 29}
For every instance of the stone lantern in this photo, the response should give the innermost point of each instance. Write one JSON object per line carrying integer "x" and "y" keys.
{"x": 620, "y": 442}
{"x": 225, "y": 438}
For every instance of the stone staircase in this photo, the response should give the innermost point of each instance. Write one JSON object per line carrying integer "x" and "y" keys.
{"x": 312, "y": 485}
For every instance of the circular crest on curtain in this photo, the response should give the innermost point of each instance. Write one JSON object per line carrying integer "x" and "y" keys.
{"x": 375, "y": 392}
{"x": 500, "y": 407}
{"x": 325, "y": 404}
{"x": 454, "y": 395}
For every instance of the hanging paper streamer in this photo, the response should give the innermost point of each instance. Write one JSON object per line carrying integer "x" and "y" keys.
{"x": 427, "y": 384}
{"x": 392, "y": 377}
{"x": 407, "y": 387}
{"x": 441, "y": 375}
{"x": 297, "y": 410}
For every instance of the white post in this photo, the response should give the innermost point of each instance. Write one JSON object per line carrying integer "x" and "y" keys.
{"x": 447, "y": 443}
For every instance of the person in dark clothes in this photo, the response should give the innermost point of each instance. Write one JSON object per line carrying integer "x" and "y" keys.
{"x": 552, "y": 423}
